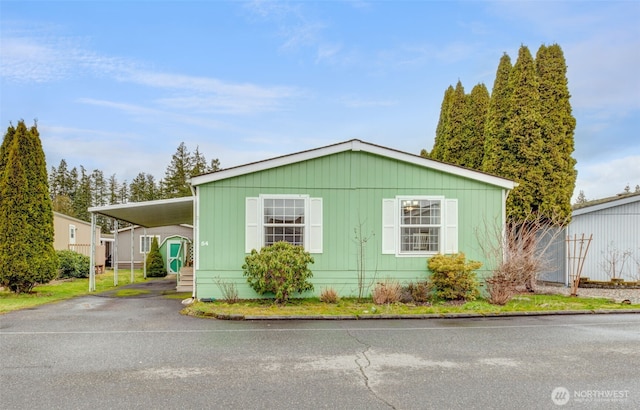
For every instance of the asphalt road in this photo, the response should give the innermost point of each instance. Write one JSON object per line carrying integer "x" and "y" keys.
{"x": 111, "y": 353}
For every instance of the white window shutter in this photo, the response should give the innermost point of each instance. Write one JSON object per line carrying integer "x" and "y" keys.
{"x": 451, "y": 226}
{"x": 251, "y": 238}
{"x": 389, "y": 226}
{"x": 315, "y": 225}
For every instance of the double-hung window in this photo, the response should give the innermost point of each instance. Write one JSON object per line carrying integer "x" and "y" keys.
{"x": 296, "y": 219}
{"x": 284, "y": 220}
{"x": 419, "y": 225}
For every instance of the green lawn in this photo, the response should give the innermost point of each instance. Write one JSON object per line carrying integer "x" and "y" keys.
{"x": 65, "y": 289}
{"x": 351, "y": 307}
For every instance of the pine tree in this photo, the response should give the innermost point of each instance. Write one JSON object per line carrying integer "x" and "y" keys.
{"x": 143, "y": 188}
{"x": 27, "y": 256}
{"x": 439, "y": 146}
{"x": 214, "y": 166}
{"x": 581, "y": 199}
{"x": 497, "y": 115}
{"x": 177, "y": 173}
{"x": 558, "y": 125}
{"x": 199, "y": 163}
{"x": 82, "y": 196}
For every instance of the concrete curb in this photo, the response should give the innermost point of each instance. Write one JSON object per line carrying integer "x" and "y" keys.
{"x": 427, "y": 316}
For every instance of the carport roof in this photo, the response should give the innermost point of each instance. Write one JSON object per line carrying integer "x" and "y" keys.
{"x": 151, "y": 214}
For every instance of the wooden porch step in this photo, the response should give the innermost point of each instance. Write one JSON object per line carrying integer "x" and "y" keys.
{"x": 185, "y": 284}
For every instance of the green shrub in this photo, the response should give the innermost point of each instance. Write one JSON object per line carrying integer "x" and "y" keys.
{"x": 453, "y": 277}
{"x": 155, "y": 262}
{"x": 280, "y": 269}
{"x": 72, "y": 264}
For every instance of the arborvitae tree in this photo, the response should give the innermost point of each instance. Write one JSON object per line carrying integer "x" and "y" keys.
{"x": 27, "y": 256}
{"x": 177, "y": 173}
{"x": 472, "y": 146}
{"x": 494, "y": 130}
{"x": 522, "y": 157}
{"x": 155, "y": 263}
{"x": 439, "y": 146}
{"x": 558, "y": 125}
{"x": 4, "y": 148}
{"x": 456, "y": 140}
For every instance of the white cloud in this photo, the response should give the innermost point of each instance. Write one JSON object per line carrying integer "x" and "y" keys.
{"x": 34, "y": 59}
{"x": 604, "y": 179}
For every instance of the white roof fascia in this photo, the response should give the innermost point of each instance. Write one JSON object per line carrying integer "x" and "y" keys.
{"x": 606, "y": 205}
{"x": 352, "y": 145}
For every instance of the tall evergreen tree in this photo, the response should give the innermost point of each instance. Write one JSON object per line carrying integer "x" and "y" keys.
{"x": 558, "y": 126}
{"x": 497, "y": 116}
{"x": 177, "y": 173}
{"x": 522, "y": 158}
{"x": 471, "y": 151}
{"x": 439, "y": 146}
{"x": 27, "y": 256}
{"x": 82, "y": 198}
{"x": 199, "y": 163}
{"x": 143, "y": 188}
{"x": 456, "y": 140}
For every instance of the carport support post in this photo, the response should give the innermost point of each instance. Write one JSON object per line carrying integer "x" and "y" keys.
{"x": 144, "y": 255}
{"x": 114, "y": 253}
{"x": 133, "y": 227}
{"x": 92, "y": 255}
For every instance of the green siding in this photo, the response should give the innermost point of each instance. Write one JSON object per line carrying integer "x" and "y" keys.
{"x": 352, "y": 186}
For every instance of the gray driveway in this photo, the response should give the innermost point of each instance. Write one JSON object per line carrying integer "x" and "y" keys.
{"x": 97, "y": 352}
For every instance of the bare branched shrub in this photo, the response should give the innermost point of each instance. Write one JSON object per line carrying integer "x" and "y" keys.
{"x": 613, "y": 260}
{"x": 329, "y": 295}
{"x": 229, "y": 291}
{"x": 361, "y": 239}
{"x": 386, "y": 292}
{"x": 418, "y": 293}
{"x": 517, "y": 253}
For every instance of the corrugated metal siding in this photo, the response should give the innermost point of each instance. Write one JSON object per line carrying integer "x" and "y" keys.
{"x": 615, "y": 229}
{"x": 554, "y": 256}
{"x": 352, "y": 185}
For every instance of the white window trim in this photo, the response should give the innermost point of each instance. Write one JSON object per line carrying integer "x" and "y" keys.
{"x": 254, "y": 221}
{"x": 261, "y": 199}
{"x": 399, "y": 199}
{"x": 448, "y": 235}
{"x": 150, "y": 240}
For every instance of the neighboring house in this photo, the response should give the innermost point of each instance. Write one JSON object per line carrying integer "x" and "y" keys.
{"x": 615, "y": 225}
{"x": 406, "y": 207}
{"x": 174, "y": 242}
{"x": 74, "y": 234}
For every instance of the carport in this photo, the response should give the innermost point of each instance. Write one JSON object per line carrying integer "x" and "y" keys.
{"x": 148, "y": 214}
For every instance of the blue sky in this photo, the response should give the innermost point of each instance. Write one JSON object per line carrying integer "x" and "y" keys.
{"x": 118, "y": 85}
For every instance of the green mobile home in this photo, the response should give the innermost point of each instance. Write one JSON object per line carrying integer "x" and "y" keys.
{"x": 405, "y": 208}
